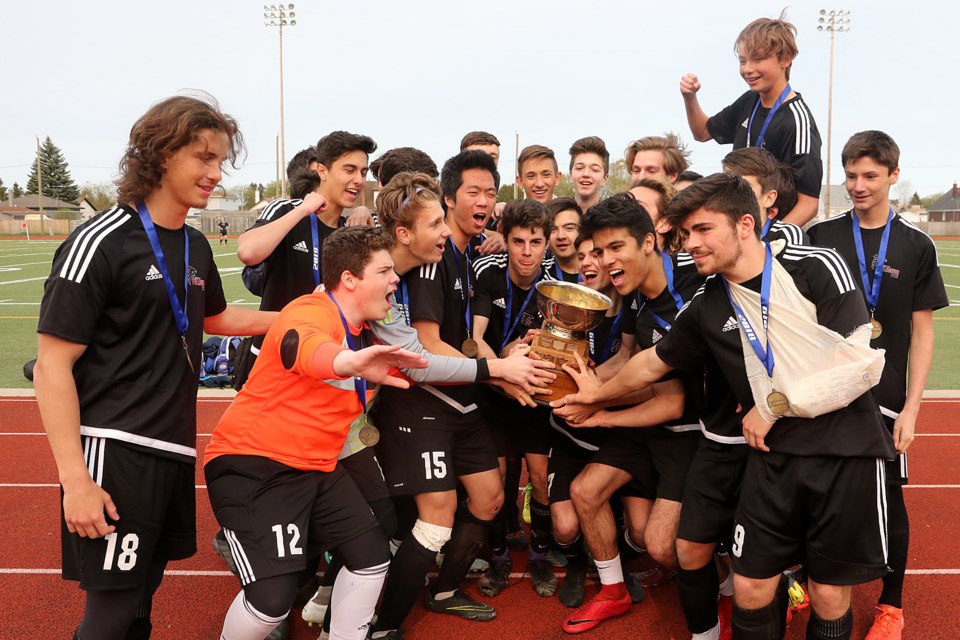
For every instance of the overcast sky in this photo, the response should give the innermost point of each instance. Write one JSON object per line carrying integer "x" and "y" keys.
{"x": 424, "y": 72}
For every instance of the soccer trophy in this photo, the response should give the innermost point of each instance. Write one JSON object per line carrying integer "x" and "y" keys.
{"x": 570, "y": 311}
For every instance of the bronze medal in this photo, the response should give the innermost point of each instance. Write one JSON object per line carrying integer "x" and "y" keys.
{"x": 369, "y": 435}
{"x": 470, "y": 348}
{"x": 875, "y": 328}
{"x": 777, "y": 403}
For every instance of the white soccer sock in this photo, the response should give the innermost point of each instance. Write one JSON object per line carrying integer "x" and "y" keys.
{"x": 243, "y": 622}
{"x": 726, "y": 587}
{"x": 610, "y": 571}
{"x": 713, "y": 634}
{"x": 354, "y": 600}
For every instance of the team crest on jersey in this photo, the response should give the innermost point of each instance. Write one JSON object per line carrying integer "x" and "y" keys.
{"x": 656, "y": 336}
{"x": 301, "y": 246}
{"x": 890, "y": 271}
{"x": 730, "y": 325}
{"x": 194, "y": 279}
{"x": 153, "y": 273}
{"x": 499, "y": 302}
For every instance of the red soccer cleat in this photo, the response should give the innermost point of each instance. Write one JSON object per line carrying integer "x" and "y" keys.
{"x": 888, "y": 624}
{"x": 596, "y": 611}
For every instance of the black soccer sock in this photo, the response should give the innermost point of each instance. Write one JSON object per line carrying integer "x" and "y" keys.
{"x": 898, "y": 533}
{"x": 466, "y": 541}
{"x": 115, "y": 614}
{"x": 511, "y": 484}
{"x": 404, "y": 582}
{"x": 498, "y": 534}
{"x": 574, "y": 553}
{"x": 406, "y": 508}
{"x": 386, "y": 514}
{"x": 628, "y": 547}
{"x": 698, "y": 590}
{"x": 541, "y": 527}
{"x": 820, "y": 629}
{"x": 765, "y": 623}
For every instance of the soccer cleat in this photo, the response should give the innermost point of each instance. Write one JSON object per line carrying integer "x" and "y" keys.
{"x": 555, "y": 557}
{"x": 516, "y": 538}
{"x": 724, "y": 614}
{"x": 527, "y": 494}
{"x": 495, "y": 579}
{"x": 393, "y": 634}
{"x": 572, "y": 587}
{"x": 594, "y": 612}
{"x": 461, "y": 604}
{"x": 316, "y": 608}
{"x": 542, "y": 578}
{"x": 888, "y": 625}
{"x": 637, "y": 591}
{"x": 222, "y": 547}
{"x": 655, "y": 576}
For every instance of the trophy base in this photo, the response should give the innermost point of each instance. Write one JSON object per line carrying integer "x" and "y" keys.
{"x": 559, "y": 351}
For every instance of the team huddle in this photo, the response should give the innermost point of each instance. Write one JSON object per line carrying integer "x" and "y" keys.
{"x": 741, "y": 418}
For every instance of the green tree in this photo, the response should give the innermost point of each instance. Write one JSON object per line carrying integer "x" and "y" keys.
{"x": 506, "y": 193}
{"x": 915, "y": 200}
{"x": 926, "y": 201}
{"x": 102, "y": 195}
{"x": 564, "y": 187}
{"x": 17, "y": 191}
{"x": 618, "y": 181}
{"x": 55, "y": 173}
{"x": 3, "y": 191}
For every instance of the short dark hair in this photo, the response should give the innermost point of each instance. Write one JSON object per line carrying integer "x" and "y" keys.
{"x": 451, "y": 178}
{"x": 722, "y": 193}
{"x": 339, "y": 143}
{"x": 591, "y": 144}
{"x": 301, "y": 161}
{"x": 536, "y": 152}
{"x": 351, "y": 249}
{"x": 753, "y": 161}
{"x": 618, "y": 212}
{"x": 524, "y": 214}
{"x": 478, "y": 137}
{"x": 786, "y": 190}
{"x": 665, "y": 192}
{"x": 875, "y": 145}
{"x": 401, "y": 199}
{"x": 303, "y": 182}
{"x": 674, "y": 152}
{"x": 688, "y": 176}
{"x": 402, "y": 159}
{"x": 164, "y": 129}
{"x": 557, "y": 205}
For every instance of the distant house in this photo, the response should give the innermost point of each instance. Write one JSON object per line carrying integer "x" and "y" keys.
{"x": 46, "y": 203}
{"x": 840, "y": 201}
{"x": 946, "y": 208}
{"x": 87, "y": 210}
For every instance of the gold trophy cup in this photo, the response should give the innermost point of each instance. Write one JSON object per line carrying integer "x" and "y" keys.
{"x": 569, "y": 311}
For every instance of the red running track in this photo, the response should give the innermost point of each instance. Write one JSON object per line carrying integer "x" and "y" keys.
{"x": 37, "y": 604}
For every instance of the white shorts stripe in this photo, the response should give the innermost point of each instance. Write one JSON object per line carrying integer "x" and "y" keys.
{"x": 882, "y": 503}
{"x": 239, "y": 557}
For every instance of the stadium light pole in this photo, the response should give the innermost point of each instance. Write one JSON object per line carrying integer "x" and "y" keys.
{"x": 280, "y": 16}
{"x": 835, "y": 21}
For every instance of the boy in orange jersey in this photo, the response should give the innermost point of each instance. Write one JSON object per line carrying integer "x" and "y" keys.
{"x": 271, "y": 462}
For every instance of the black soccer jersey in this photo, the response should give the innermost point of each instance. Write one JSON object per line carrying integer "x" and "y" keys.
{"x": 289, "y": 268}
{"x": 442, "y": 293}
{"x": 780, "y": 230}
{"x": 707, "y": 329}
{"x": 105, "y": 291}
{"x": 551, "y": 267}
{"x": 792, "y": 136}
{"x": 911, "y": 281}
{"x": 491, "y": 294}
{"x": 650, "y": 320}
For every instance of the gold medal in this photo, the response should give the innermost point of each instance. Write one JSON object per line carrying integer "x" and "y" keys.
{"x": 470, "y": 348}
{"x": 875, "y": 328}
{"x": 777, "y": 403}
{"x": 369, "y": 434}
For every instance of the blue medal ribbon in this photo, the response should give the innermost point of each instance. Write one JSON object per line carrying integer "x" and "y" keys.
{"x": 510, "y": 328}
{"x": 456, "y": 252}
{"x": 765, "y": 356}
{"x": 403, "y": 296}
{"x": 766, "y": 228}
{"x": 179, "y": 313}
{"x": 559, "y": 272}
{"x": 608, "y": 345}
{"x": 315, "y": 236}
{"x": 872, "y": 290}
{"x": 766, "y": 122}
{"x": 677, "y": 298}
{"x": 358, "y": 383}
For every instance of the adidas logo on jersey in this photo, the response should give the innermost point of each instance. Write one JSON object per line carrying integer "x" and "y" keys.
{"x": 458, "y": 286}
{"x": 500, "y": 302}
{"x": 745, "y": 123}
{"x": 730, "y": 325}
{"x": 301, "y": 246}
{"x": 633, "y": 305}
{"x": 657, "y": 336}
{"x": 153, "y": 273}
